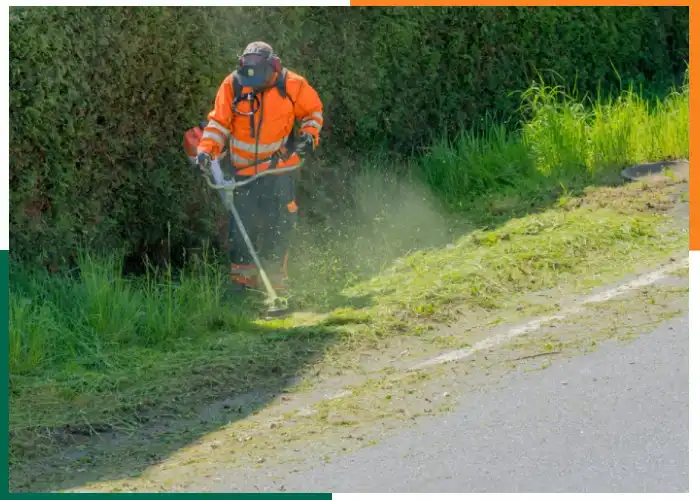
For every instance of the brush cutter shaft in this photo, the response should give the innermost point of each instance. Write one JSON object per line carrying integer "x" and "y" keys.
{"x": 272, "y": 295}
{"x": 229, "y": 186}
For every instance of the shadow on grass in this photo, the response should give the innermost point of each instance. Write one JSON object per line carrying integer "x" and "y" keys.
{"x": 219, "y": 380}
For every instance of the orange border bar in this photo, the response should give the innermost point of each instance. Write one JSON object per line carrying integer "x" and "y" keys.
{"x": 519, "y": 3}
{"x": 694, "y": 122}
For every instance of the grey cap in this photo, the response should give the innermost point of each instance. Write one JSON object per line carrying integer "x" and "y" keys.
{"x": 258, "y": 48}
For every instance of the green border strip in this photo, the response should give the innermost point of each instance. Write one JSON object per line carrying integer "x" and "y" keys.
{"x": 5, "y": 326}
{"x": 233, "y": 496}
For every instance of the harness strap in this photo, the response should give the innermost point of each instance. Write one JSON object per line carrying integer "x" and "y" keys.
{"x": 257, "y": 98}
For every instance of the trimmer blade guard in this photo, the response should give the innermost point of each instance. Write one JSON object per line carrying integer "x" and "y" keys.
{"x": 277, "y": 312}
{"x": 279, "y": 309}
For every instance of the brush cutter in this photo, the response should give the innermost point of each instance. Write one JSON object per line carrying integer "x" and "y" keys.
{"x": 276, "y": 306}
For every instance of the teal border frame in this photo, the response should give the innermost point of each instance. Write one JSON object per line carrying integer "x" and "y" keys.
{"x": 5, "y": 329}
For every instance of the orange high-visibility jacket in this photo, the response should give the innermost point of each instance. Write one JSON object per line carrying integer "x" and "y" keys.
{"x": 278, "y": 115}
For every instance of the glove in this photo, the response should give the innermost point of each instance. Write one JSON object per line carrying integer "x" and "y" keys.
{"x": 204, "y": 162}
{"x": 307, "y": 144}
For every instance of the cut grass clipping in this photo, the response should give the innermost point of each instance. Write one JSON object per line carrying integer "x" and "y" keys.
{"x": 92, "y": 349}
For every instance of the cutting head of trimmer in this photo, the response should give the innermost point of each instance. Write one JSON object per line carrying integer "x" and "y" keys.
{"x": 277, "y": 308}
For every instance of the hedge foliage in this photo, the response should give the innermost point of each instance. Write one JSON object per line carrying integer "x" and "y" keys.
{"x": 100, "y": 96}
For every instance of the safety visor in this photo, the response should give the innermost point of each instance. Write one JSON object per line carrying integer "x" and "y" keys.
{"x": 253, "y": 59}
{"x": 256, "y": 70}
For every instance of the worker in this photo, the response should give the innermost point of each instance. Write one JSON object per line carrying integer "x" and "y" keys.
{"x": 255, "y": 111}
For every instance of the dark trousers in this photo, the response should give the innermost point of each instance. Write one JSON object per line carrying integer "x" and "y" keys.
{"x": 268, "y": 211}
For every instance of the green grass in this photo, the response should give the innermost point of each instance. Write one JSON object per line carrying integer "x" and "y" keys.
{"x": 565, "y": 143}
{"x": 58, "y": 319}
{"x": 479, "y": 221}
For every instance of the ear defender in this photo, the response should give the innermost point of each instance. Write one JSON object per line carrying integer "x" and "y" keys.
{"x": 275, "y": 63}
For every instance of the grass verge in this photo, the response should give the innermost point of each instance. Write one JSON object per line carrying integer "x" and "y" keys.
{"x": 92, "y": 350}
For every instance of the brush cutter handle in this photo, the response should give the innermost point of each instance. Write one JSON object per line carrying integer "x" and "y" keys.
{"x": 231, "y": 184}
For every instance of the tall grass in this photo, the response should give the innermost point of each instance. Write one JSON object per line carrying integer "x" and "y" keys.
{"x": 86, "y": 315}
{"x": 563, "y": 140}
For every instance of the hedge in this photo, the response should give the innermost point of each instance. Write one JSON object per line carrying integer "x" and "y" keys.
{"x": 100, "y": 96}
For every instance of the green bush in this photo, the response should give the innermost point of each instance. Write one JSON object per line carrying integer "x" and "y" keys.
{"x": 100, "y": 96}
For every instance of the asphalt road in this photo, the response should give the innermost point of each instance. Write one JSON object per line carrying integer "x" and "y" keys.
{"x": 615, "y": 420}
